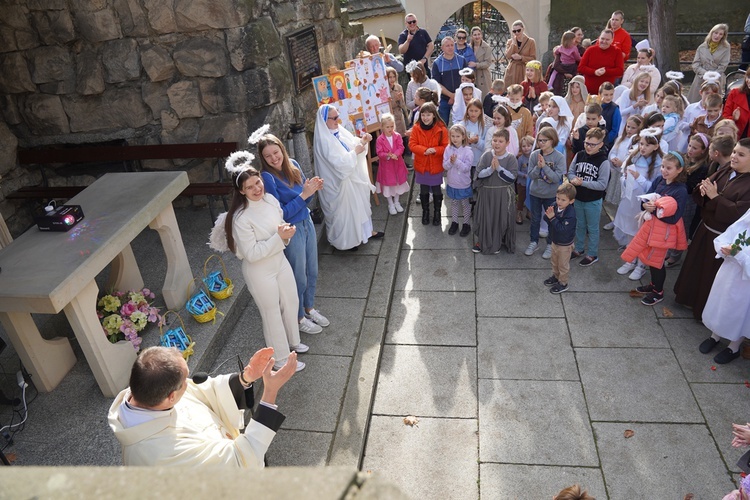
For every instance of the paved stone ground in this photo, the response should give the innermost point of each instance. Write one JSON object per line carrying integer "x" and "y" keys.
{"x": 518, "y": 392}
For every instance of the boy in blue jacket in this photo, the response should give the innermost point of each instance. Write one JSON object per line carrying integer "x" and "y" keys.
{"x": 561, "y": 218}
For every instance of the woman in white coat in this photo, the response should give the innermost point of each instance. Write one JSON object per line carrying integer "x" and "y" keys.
{"x": 257, "y": 234}
{"x": 341, "y": 162}
{"x": 712, "y": 55}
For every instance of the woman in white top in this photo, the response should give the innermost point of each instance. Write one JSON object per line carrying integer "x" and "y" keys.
{"x": 635, "y": 101}
{"x": 257, "y": 234}
{"x": 644, "y": 63}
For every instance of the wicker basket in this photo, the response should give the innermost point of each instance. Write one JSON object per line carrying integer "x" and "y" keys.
{"x": 200, "y": 305}
{"x": 219, "y": 285}
{"x": 176, "y": 337}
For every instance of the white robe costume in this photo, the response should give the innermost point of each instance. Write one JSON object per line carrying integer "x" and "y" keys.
{"x": 727, "y": 311}
{"x": 203, "y": 428}
{"x": 267, "y": 273}
{"x": 345, "y": 197}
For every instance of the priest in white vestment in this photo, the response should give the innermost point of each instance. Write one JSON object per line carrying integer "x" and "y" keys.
{"x": 341, "y": 161}
{"x": 164, "y": 418}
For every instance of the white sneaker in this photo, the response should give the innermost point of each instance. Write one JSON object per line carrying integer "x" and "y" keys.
{"x": 533, "y": 247}
{"x": 638, "y": 272}
{"x": 547, "y": 252}
{"x": 300, "y": 366}
{"x": 626, "y": 268}
{"x": 300, "y": 348}
{"x": 543, "y": 234}
{"x": 609, "y": 226}
{"x": 392, "y": 209}
{"x": 314, "y": 315}
{"x": 398, "y": 206}
{"x": 307, "y": 326}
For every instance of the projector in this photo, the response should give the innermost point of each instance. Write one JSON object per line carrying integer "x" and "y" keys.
{"x": 59, "y": 218}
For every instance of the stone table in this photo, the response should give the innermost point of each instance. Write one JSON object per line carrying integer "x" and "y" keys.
{"x": 46, "y": 273}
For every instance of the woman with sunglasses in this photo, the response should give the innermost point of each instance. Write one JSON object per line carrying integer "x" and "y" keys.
{"x": 520, "y": 50}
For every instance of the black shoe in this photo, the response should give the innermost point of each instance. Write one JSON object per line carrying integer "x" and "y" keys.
{"x": 645, "y": 288}
{"x": 437, "y": 203}
{"x": 476, "y": 248}
{"x": 708, "y": 345}
{"x": 551, "y": 281}
{"x": 453, "y": 229}
{"x": 465, "y": 230}
{"x": 588, "y": 260}
{"x": 352, "y": 249}
{"x": 377, "y": 235}
{"x": 436, "y": 219}
{"x": 726, "y": 356}
{"x": 558, "y": 288}
{"x": 575, "y": 254}
{"x": 425, "y": 214}
{"x": 653, "y": 298}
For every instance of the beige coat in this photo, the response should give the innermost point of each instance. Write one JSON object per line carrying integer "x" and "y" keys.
{"x": 483, "y": 54}
{"x": 398, "y": 108}
{"x": 516, "y": 72}
{"x": 705, "y": 61}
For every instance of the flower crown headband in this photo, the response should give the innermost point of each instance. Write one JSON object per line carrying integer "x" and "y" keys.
{"x": 241, "y": 161}
{"x": 534, "y": 65}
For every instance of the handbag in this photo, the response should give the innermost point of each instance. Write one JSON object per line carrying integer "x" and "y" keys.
{"x": 176, "y": 337}
{"x": 219, "y": 286}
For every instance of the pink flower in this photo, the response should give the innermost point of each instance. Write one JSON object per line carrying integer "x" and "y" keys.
{"x": 148, "y": 293}
{"x": 127, "y": 309}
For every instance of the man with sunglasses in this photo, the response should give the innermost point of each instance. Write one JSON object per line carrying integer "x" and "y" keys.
{"x": 415, "y": 43}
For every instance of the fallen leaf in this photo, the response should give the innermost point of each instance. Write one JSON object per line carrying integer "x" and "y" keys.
{"x": 629, "y": 433}
{"x": 667, "y": 312}
{"x": 11, "y": 457}
{"x": 411, "y": 421}
{"x": 713, "y": 368}
{"x": 747, "y": 384}
{"x": 636, "y": 294}
{"x": 689, "y": 496}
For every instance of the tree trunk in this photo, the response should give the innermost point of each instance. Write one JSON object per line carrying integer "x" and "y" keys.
{"x": 662, "y": 35}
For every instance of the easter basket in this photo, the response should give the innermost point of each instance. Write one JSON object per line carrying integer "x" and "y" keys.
{"x": 219, "y": 285}
{"x": 176, "y": 337}
{"x": 200, "y": 305}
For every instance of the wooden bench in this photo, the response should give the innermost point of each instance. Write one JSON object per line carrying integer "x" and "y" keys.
{"x": 102, "y": 159}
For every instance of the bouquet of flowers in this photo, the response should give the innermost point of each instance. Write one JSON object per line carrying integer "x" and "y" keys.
{"x": 124, "y": 314}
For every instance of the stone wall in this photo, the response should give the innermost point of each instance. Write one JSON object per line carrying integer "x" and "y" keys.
{"x": 151, "y": 72}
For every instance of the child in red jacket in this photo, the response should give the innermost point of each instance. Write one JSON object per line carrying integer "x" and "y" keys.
{"x": 429, "y": 138}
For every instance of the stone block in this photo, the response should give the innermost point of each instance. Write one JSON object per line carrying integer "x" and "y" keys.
{"x": 169, "y": 120}
{"x": 194, "y": 15}
{"x": 201, "y": 57}
{"x": 437, "y": 458}
{"x": 279, "y": 80}
{"x": 525, "y": 349}
{"x": 433, "y": 270}
{"x": 8, "y": 145}
{"x": 591, "y": 316}
{"x": 133, "y": 21}
{"x": 185, "y": 132}
{"x": 184, "y": 99}
{"x": 232, "y": 127}
{"x": 16, "y": 30}
{"x": 47, "y": 5}
{"x": 636, "y": 384}
{"x": 121, "y": 60}
{"x": 115, "y": 108}
{"x": 346, "y": 276}
{"x": 95, "y": 22}
{"x": 7, "y": 38}
{"x": 15, "y": 77}
{"x": 89, "y": 72}
{"x": 257, "y": 88}
{"x": 299, "y": 448}
{"x": 518, "y": 481}
{"x": 44, "y": 115}
{"x": 331, "y": 31}
{"x": 62, "y": 87}
{"x": 516, "y": 418}
{"x": 54, "y": 26}
{"x": 518, "y": 294}
{"x": 155, "y": 96}
{"x": 161, "y": 15}
{"x": 9, "y": 107}
{"x": 285, "y": 13}
{"x": 254, "y": 44}
{"x": 158, "y": 63}
{"x": 673, "y": 468}
{"x": 445, "y": 375}
{"x": 51, "y": 64}
{"x": 432, "y": 318}
{"x": 209, "y": 92}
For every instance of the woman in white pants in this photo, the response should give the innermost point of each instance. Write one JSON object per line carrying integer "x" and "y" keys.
{"x": 257, "y": 234}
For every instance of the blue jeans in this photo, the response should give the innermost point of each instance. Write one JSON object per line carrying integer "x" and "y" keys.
{"x": 588, "y": 214}
{"x": 536, "y": 215}
{"x": 445, "y": 110}
{"x": 302, "y": 254}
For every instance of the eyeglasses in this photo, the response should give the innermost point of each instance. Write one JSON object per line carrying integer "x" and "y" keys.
{"x": 334, "y": 118}
{"x": 516, "y": 31}
{"x": 413, "y": 21}
{"x": 460, "y": 38}
{"x": 541, "y": 140}
{"x": 592, "y": 144}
